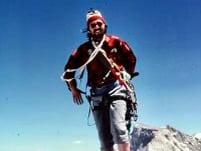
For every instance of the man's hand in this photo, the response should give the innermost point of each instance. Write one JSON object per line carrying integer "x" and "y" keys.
{"x": 77, "y": 97}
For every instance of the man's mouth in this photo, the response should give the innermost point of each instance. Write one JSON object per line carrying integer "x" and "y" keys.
{"x": 97, "y": 31}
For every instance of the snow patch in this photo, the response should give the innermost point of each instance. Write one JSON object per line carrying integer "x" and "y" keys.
{"x": 198, "y": 136}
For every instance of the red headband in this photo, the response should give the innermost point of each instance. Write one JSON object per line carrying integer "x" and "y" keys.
{"x": 95, "y": 18}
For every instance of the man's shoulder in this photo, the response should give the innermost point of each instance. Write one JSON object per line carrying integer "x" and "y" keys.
{"x": 114, "y": 40}
{"x": 82, "y": 49}
{"x": 113, "y": 37}
{"x": 84, "y": 45}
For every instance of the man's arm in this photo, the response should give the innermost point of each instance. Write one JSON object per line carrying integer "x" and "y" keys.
{"x": 69, "y": 76}
{"x": 129, "y": 58}
{"x": 77, "y": 97}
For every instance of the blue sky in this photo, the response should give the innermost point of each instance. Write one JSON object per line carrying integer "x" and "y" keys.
{"x": 36, "y": 38}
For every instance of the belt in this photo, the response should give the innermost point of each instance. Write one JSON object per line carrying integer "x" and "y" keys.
{"x": 105, "y": 83}
{"x": 104, "y": 89}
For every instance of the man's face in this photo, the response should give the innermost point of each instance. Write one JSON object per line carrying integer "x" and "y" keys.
{"x": 97, "y": 28}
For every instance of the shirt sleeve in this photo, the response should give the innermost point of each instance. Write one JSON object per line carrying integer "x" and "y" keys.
{"x": 128, "y": 58}
{"x": 75, "y": 61}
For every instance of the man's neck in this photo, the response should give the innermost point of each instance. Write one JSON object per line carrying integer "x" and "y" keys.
{"x": 97, "y": 40}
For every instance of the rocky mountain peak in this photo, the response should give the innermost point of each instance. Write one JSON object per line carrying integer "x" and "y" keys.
{"x": 147, "y": 138}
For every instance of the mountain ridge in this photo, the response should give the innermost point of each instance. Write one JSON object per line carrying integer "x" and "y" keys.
{"x": 167, "y": 138}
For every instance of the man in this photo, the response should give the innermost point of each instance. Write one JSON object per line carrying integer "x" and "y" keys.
{"x": 109, "y": 62}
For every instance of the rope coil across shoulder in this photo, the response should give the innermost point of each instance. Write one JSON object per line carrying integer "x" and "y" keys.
{"x": 92, "y": 56}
